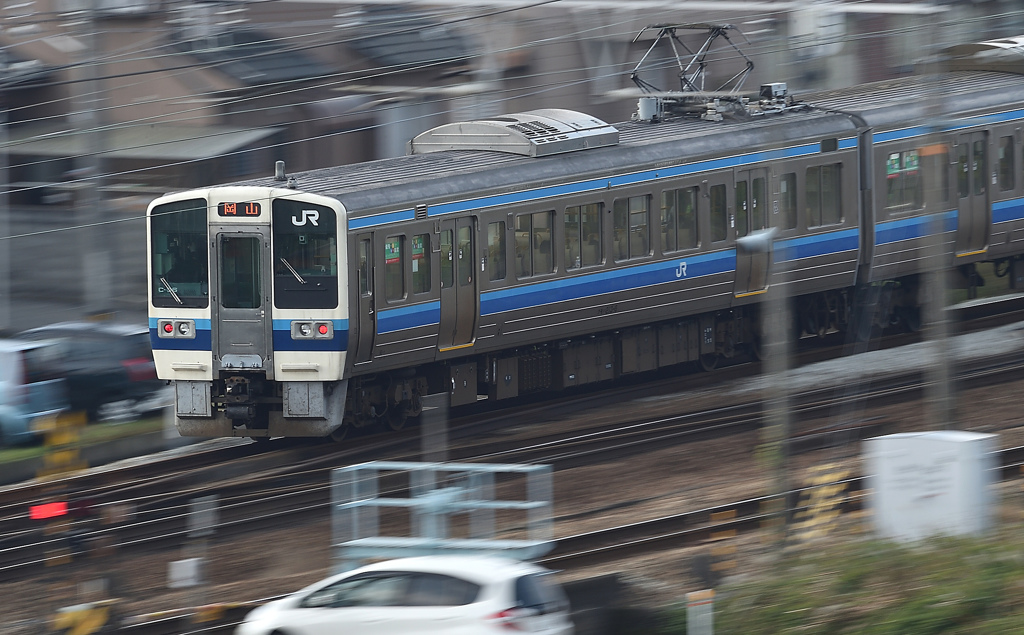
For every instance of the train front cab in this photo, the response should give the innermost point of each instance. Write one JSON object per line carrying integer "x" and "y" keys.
{"x": 248, "y": 312}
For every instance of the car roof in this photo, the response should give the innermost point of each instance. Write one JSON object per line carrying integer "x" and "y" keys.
{"x": 8, "y": 345}
{"x": 110, "y": 328}
{"x": 475, "y": 568}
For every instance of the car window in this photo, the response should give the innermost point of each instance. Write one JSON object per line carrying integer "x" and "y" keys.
{"x": 41, "y": 363}
{"x": 428, "y": 589}
{"x": 541, "y": 592}
{"x": 387, "y": 589}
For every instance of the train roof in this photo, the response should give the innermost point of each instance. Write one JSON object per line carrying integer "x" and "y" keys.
{"x": 408, "y": 181}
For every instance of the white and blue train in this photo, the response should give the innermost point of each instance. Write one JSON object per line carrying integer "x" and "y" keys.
{"x": 549, "y": 249}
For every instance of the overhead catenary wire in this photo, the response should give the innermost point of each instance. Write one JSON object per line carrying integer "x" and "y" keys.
{"x": 504, "y": 95}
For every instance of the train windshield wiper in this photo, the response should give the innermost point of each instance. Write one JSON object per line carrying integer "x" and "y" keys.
{"x": 167, "y": 285}
{"x": 294, "y": 272}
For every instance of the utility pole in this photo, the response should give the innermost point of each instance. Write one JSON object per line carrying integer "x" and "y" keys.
{"x": 5, "y": 220}
{"x": 96, "y": 284}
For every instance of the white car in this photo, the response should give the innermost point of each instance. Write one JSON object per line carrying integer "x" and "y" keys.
{"x": 454, "y": 595}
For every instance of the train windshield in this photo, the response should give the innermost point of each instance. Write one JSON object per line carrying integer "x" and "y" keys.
{"x": 180, "y": 269}
{"x": 305, "y": 256}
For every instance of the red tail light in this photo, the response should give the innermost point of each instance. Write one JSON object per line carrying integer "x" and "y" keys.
{"x": 139, "y": 369}
{"x": 506, "y": 619}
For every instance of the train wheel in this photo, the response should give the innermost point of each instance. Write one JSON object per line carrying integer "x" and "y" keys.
{"x": 757, "y": 348}
{"x": 341, "y": 432}
{"x": 709, "y": 361}
{"x": 397, "y": 416}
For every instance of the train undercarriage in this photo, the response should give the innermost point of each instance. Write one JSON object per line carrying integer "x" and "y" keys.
{"x": 389, "y": 400}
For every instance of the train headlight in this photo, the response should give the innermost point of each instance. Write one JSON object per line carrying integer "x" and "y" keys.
{"x": 176, "y": 329}
{"x": 312, "y": 330}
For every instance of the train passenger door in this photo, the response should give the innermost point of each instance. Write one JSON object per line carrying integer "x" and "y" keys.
{"x": 367, "y": 318}
{"x": 459, "y": 289}
{"x": 972, "y": 186}
{"x": 753, "y": 246}
{"x": 242, "y": 309}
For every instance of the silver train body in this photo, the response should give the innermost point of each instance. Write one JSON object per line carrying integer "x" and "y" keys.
{"x": 549, "y": 249}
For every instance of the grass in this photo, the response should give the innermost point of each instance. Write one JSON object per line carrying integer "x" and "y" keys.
{"x": 943, "y": 586}
{"x": 92, "y": 433}
{"x": 994, "y": 285}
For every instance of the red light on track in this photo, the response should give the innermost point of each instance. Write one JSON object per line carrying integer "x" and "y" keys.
{"x": 48, "y": 510}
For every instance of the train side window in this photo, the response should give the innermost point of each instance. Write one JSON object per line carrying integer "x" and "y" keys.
{"x": 465, "y": 255}
{"x": 421, "y": 263}
{"x": 1006, "y": 163}
{"x": 978, "y": 167}
{"x": 823, "y": 196}
{"x": 935, "y": 166}
{"x": 787, "y": 200}
{"x": 758, "y": 196}
{"x": 963, "y": 177}
{"x": 179, "y": 254}
{"x": 533, "y": 244}
{"x": 590, "y": 234}
{"x": 582, "y": 236}
{"x": 678, "y": 219}
{"x": 524, "y": 260}
{"x": 364, "y": 267}
{"x": 719, "y": 213}
{"x": 447, "y": 260}
{"x": 571, "y": 224}
{"x": 632, "y": 228}
{"x": 904, "y": 189}
{"x": 742, "y": 213}
{"x": 394, "y": 268}
{"x": 496, "y": 250}
{"x": 543, "y": 252}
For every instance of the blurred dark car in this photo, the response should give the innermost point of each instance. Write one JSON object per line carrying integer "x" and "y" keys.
{"x": 104, "y": 363}
{"x": 31, "y": 388}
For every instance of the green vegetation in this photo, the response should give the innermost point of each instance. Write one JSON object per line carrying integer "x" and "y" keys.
{"x": 92, "y": 433}
{"x": 994, "y": 285}
{"x": 947, "y": 585}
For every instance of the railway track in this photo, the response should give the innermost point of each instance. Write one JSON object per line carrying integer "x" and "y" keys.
{"x": 261, "y": 485}
{"x": 258, "y": 489}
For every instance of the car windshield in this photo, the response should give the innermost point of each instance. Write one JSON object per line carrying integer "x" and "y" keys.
{"x": 540, "y": 591}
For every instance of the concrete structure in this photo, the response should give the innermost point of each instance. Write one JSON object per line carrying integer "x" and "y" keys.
{"x": 931, "y": 483}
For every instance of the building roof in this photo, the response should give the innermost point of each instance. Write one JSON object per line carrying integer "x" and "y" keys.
{"x": 254, "y": 58}
{"x": 392, "y": 36}
{"x": 154, "y": 141}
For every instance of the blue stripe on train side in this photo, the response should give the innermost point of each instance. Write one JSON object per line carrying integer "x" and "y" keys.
{"x": 913, "y": 227}
{"x": 576, "y": 287}
{"x": 283, "y": 337}
{"x": 408, "y": 317}
{"x": 1005, "y": 211}
{"x": 201, "y": 342}
{"x": 817, "y": 245}
{"x": 598, "y": 184}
